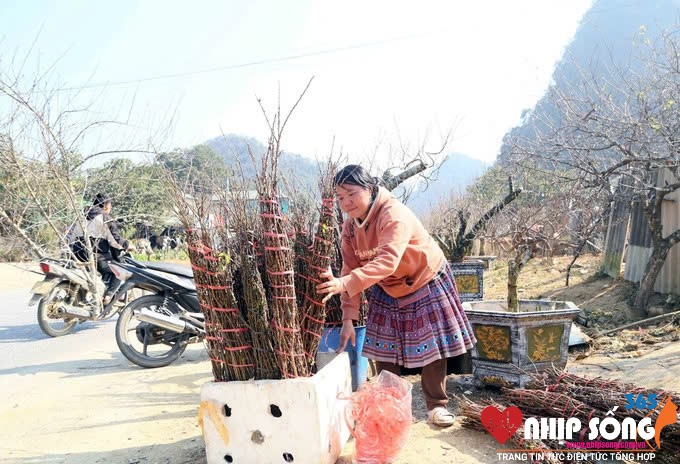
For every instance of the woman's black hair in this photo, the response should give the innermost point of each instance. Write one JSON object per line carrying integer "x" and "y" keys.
{"x": 354, "y": 174}
{"x": 101, "y": 200}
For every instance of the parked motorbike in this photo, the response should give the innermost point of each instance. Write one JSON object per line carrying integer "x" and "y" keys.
{"x": 65, "y": 297}
{"x": 154, "y": 330}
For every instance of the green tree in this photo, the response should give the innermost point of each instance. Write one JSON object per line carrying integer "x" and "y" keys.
{"x": 137, "y": 191}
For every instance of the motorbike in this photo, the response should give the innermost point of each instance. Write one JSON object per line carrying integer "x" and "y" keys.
{"x": 155, "y": 329}
{"x": 66, "y": 298}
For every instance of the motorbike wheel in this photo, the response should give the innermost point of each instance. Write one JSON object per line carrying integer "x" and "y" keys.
{"x": 50, "y": 322}
{"x": 145, "y": 344}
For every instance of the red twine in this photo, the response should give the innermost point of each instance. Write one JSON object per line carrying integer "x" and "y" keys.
{"x": 274, "y": 234}
{"x": 318, "y": 303}
{"x": 279, "y": 272}
{"x": 213, "y": 287}
{"x": 219, "y": 310}
{"x": 378, "y": 439}
{"x": 302, "y": 276}
{"x": 278, "y": 248}
{"x": 202, "y": 269}
{"x": 323, "y": 240}
{"x": 322, "y": 269}
{"x": 307, "y": 316}
{"x": 285, "y": 329}
{"x": 312, "y": 333}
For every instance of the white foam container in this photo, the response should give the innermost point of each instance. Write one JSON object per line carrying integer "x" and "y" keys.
{"x": 278, "y": 421}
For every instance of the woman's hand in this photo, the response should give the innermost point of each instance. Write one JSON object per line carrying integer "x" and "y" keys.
{"x": 347, "y": 333}
{"x": 332, "y": 287}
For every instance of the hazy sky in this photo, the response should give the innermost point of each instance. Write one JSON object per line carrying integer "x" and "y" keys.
{"x": 380, "y": 68}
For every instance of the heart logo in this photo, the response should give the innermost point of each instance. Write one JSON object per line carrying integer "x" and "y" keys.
{"x": 501, "y": 425}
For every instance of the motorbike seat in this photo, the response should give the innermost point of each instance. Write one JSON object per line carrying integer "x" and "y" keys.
{"x": 177, "y": 269}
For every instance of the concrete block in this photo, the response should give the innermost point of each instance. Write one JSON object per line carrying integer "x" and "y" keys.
{"x": 277, "y": 421}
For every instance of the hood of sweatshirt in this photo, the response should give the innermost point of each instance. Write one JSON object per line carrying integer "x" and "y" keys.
{"x": 93, "y": 212}
{"x": 381, "y": 198}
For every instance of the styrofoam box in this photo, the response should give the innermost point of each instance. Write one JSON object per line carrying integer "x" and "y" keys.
{"x": 278, "y": 421}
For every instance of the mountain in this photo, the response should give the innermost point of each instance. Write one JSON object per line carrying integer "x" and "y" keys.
{"x": 456, "y": 173}
{"x": 292, "y": 166}
{"x": 607, "y": 41}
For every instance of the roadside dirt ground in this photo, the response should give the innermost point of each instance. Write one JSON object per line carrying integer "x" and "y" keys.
{"x": 95, "y": 407}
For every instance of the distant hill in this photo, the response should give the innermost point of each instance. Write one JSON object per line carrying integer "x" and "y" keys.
{"x": 234, "y": 149}
{"x": 456, "y": 173}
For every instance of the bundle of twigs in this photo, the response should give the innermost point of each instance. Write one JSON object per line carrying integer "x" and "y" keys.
{"x": 473, "y": 420}
{"x": 199, "y": 259}
{"x": 278, "y": 255}
{"x": 314, "y": 311}
{"x": 302, "y": 249}
{"x": 227, "y": 334}
{"x": 302, "y": 219}
{"x": 550, "y": 404}
{"x": 255, "y": 297}
{"x": 600, "y": 392}
{"x": 250, "y": 289}
{"x": 333, "y": 308}
{"x": 596, "y": 396}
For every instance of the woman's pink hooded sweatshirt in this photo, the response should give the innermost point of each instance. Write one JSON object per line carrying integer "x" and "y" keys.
{"x": 390, "y": 248}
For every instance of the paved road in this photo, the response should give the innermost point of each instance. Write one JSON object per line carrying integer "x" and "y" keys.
{"x": 24, "y": 344}
{"x": 75, "y": 399}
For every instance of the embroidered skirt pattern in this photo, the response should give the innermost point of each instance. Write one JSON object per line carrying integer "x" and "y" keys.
{"x": 420, "y": 328}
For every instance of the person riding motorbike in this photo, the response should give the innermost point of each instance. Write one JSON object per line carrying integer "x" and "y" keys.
{"x": 106, "y": 241}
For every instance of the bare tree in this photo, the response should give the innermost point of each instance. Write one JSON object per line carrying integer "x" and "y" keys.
{"x": 622, "y": 128}
{"x": 587, "y": 212}
{"x": 537, "y": 226}
{"x": 414, "y": 168}
{"x": 43, "y": 152}
{"x": 452, "y": 222}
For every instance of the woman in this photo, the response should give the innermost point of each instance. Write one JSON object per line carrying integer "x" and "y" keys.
{"x": 415, "y": 318}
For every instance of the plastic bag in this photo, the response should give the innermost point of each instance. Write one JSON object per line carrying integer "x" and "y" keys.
{"x": 382, "y": 418}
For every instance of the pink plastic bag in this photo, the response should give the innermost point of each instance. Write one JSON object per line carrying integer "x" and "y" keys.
{"x": 381, "y": 410}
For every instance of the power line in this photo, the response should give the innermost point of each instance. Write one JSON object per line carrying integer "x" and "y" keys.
{"x": 243, "y": 65}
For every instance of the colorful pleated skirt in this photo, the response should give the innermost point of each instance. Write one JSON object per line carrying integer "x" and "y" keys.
{"x": 417, "y": 329}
